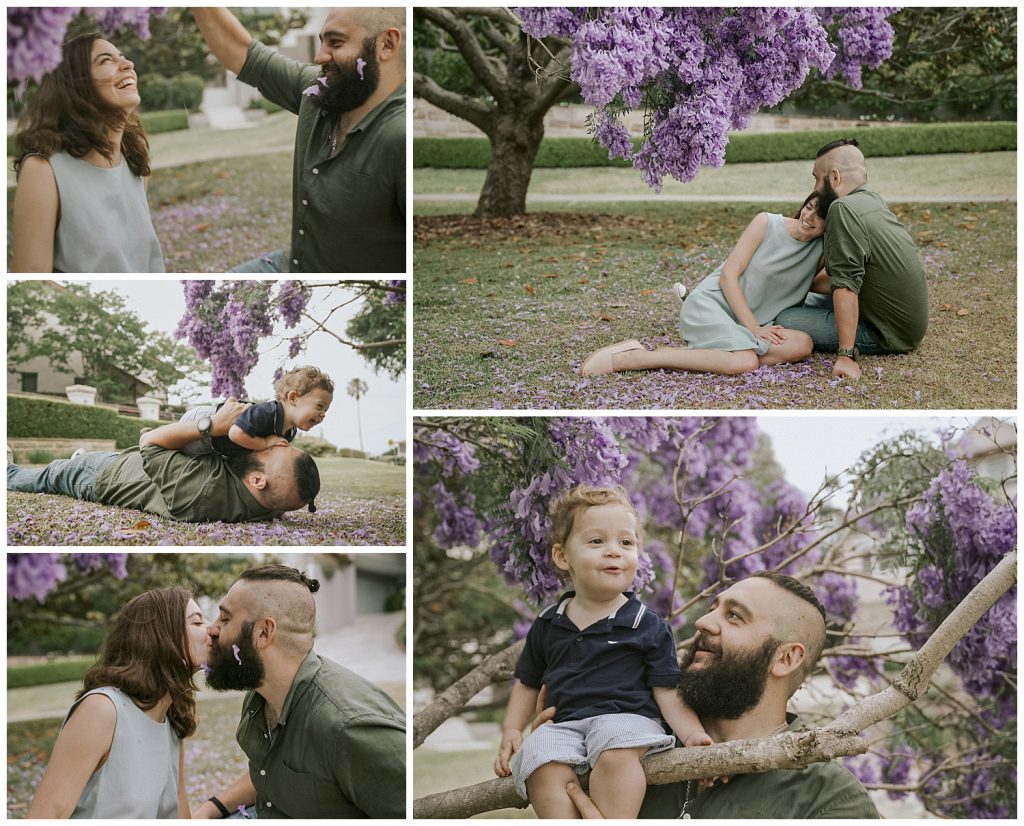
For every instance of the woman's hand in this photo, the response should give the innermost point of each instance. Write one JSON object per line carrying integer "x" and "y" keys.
{"x": 770, "y": 333}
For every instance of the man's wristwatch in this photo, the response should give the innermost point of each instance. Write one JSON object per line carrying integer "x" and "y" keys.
{"x": 849, "y": 352}
{"x": 204, "y": 423}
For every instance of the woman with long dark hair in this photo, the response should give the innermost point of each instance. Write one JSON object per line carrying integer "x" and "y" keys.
{"x": 120, "y": 752}
{"x": 728, "y": 321}
{"x": 82, "y": 166}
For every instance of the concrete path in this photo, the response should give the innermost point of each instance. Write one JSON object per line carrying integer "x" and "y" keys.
{"x": 607, "y": 198}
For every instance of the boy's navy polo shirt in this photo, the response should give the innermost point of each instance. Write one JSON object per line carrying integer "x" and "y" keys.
{"x": 608, "y": 668}
{"x": 263, "y": 419}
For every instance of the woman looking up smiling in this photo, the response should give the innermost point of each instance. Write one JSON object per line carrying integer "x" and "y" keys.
{"x": 82, "y": 166}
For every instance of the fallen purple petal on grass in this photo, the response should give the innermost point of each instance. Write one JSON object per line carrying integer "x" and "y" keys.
{"x": 234, "y": 650}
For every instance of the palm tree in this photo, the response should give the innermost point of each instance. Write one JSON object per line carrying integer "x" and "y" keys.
{"x": 358, "y": 388}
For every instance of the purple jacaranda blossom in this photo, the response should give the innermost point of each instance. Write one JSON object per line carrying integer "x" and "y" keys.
{"x": 33, "y": 575}
{"x": 234, "y": 650}
{"x": 317, "y": 88}
{"x": 243, "y": 811}
{"x": 360, "y": 65}
{"x": 701, "y": 72}
{"x": 206, "y": 669}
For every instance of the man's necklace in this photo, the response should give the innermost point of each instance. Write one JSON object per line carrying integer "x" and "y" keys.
{"x": 685, "y": 814}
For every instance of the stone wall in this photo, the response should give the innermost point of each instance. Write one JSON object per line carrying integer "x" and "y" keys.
{"x": 569, "y": 121}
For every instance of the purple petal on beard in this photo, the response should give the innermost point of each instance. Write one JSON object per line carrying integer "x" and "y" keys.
{"x": 322, "y": 80}
{"x": 360, "y": 64}
{"x": 312, "y": 91}
{"x": 206, "y": 669}
{"x": 234, "y": 650}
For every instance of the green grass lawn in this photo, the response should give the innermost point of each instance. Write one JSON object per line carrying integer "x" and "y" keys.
{"x": 505, "y": 311}
{"x": 360, "y": 503}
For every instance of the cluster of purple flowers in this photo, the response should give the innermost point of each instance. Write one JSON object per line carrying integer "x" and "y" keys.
{"x": 36, "y": 575}
{"x": 701, "y": 71}
{"x": 392, "y": 297}
{"x": 225, "y": 322}
{"x": 35, "y": 36}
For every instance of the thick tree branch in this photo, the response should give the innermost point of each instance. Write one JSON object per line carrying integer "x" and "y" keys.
{"x": 450, "y": 702}
{"x": 482, "y": 66}
{"x": 462, "y": 106}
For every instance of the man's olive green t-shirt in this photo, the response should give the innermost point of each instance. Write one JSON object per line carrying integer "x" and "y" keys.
{"x": 821, "y": 790}
{"x": 868, "y": 251}
{"x": 338, "y": 750}
{"x": 170, "y": 484}
{"x": 348, "y": 212}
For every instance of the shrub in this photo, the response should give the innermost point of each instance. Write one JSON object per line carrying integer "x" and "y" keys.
{"x": 155, "y": 91}
{"x": 916, "y": 139}
{"x": 314, "y": 446}
{"x": 40, "y": 457}
{"x": 351, "y": 453}
{"x": 59, "y": 671}
{"x": 186, "y": 91}
{"x": 55, "y": 419}
{"x": 168, "y": 121}
{"x": 264, "y": 104}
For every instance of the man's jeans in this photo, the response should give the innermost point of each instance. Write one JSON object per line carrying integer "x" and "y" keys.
{"x": 70, "y": 477}
{"x": 817, "y": 318}
{"x": 270, "y": 262}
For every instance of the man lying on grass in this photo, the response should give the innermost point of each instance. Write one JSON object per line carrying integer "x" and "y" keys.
{"x": 157, "y": 478}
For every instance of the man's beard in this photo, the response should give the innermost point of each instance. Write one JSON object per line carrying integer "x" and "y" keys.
{"x": 727, "y": 686}
{"x": 346, "y": 90}
{"x": 828, "y": 195}
{"x": 226, "y": 672}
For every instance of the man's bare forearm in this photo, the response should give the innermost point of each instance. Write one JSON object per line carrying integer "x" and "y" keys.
{"x": 847, "y": 307}
{"x": 226, "y": 37}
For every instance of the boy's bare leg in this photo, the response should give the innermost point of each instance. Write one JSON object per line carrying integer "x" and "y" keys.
{"x": 618, "y": 784}
{"x": 546, "y": 788}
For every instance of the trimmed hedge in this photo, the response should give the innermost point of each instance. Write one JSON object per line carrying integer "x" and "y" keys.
{"x": 763, "y": 147}
{"x": 59, "y": 671}
{"x": 168, "y": 121}
{"x": 31, "y": 418}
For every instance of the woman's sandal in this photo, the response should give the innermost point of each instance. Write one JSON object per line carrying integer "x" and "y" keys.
{"x": 600, "y": 362}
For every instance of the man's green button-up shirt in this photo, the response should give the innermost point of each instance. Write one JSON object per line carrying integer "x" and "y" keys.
{"x": 348, "y": 212}
{"x": 868, "y": 251}
{"x": 338, "y": 750}
{"x": 171, "y": 484}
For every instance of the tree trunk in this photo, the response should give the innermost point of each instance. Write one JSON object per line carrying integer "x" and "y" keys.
{"x": 514, "y": 145}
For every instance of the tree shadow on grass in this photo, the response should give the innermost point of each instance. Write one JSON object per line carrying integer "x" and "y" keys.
{"x": 43, "y": 519}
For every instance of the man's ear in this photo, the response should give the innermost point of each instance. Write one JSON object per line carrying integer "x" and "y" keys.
{"x": 389, "y": 44}
{"x": 788, "y": 658}
{"x": 265, "y": 632}
{"x": 257, "y": 479}
{"x": 835, "y": 177}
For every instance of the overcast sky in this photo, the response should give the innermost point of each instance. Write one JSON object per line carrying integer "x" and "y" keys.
{"x": 161, "y": 304}
{"x": 810, "y": 446}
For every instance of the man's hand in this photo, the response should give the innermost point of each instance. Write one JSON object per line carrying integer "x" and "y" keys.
{"x": 511, "y": 742}
{"x": 846, "y": 368}
{"x": 222, "y": 420}
{"x": 584, "y": 805}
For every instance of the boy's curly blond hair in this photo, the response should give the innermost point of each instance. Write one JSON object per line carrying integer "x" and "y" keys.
{"x": 563, "y": 510}
{"x": 302, "y": 380}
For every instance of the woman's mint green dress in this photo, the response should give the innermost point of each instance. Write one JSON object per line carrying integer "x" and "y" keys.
{"x": 778, "y": 277}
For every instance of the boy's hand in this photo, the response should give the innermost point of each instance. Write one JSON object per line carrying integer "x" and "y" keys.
{"x": 698, "y": 738}
{"x": 511, "y": 742}
{"x": 274, "y": 441}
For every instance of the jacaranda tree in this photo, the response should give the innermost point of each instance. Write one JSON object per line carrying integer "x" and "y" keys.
{"x": 226, "y": 322}
{"x": 918, "y": 521}
{"x": 35, "y": 36}
{"x": 697, "y": 72}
